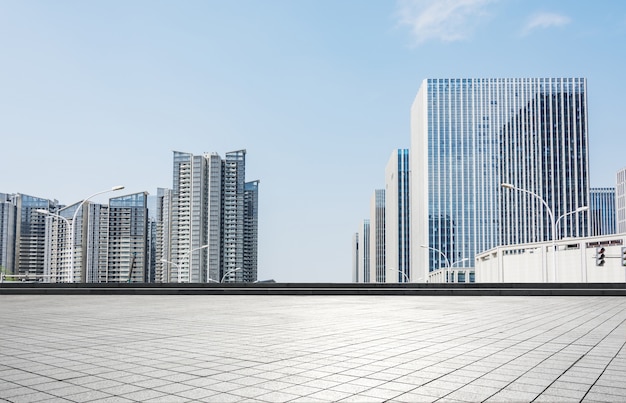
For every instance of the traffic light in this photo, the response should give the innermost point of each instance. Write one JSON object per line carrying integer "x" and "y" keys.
{"x": 600, "y": 256}
{"x": 623, "y": 255}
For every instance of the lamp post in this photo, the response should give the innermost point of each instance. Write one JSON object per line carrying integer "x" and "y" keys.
{"x": 408, "y": 280}
{"x": 46, "y": 212}
{"x": 442, "y": 254}
{"x": 72, "y": 246}
{"x": 438, "y": 251}
{"x": 578, "y": 210}
{"x": 186, "y": 256}
{"x": 228, "y": 272}
{"x": 552, "y": 222}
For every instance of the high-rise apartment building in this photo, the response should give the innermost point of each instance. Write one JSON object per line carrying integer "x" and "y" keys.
{"x": 8, "y": 213}
{"x": 469, "y": 136}
{"x": 377, "y": 234}
{"x": 127, "y": 254}
{"x": 250, "y": 231}
{"x": 620, "y": 201}
{"x": 356, "y": 264}
{"x": 163, "y": 235}
{"x": 397, "y": 218}
{"x": 602, "y": 211}
{"x": 209, "y": 221}
{"x": 30, "y": 235}
{"x": 363, "y": 261}
{"x": 110, "y": 242}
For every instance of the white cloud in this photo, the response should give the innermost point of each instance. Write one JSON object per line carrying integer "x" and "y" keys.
{"x": 444, "y": 20}
{"x": 545, "y": 20}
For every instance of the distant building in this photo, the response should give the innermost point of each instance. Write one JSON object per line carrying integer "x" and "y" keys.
{"x": 468, "y": 136}
{"x": 397, "y": 218}
{"x": 602, "y": 211}
{"x": 363, "y": 261}
{"x": 128, "y": 240}
{"x": 357, "y": 277}
{"x": 209, "y": 221}
{"x": 8, "y": 213}
{"x": 30, "y": 235}
{"x": 163, "y": 236}
{"x": 377, "y": 234}
{"x": 620, "y": 201}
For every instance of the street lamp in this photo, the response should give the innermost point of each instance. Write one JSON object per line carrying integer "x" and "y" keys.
{"x": 552, "y": 221}
{"x": 228, "y": 272}
{"x": 578, "y": 210}
{"x": 438, "y": 251}
{"x": 408, "y": 280}
{"x": 72, "y": 246}
{"x": 186, "y": 256}
{"x": 46, "y": 212}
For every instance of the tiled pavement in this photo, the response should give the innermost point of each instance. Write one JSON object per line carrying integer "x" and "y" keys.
{"x": 172, "y": 348}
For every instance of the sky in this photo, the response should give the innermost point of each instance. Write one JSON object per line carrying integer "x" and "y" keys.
{"x": 95, "y": 94}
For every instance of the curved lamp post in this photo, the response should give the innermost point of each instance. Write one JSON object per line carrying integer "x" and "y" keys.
{"x": 552, "y": 221}
{"x": 72, "y": 246}
{"x": 578, "y": 210}
{"x": 438, "y": 251}
{"x": 228, "y": 272}
{"x": 186, "y": 257}
{"x": 408, "y": 280}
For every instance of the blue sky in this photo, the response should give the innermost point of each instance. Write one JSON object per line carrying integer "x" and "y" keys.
{"x": 98, "y": 93}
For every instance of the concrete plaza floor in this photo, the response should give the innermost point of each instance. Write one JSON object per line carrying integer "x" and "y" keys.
{"x": 175, "y": 348}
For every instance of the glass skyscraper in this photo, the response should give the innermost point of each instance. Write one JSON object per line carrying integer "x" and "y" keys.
{"x": 468, "y": 136}
{"x": 397, "y": 218}
{"x": 602, "y": 210}
{"x": 377, "y": 232}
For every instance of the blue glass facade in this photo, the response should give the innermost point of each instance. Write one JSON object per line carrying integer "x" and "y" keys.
{"x": 471, "y": 135}
{"x": 602, "y": 210}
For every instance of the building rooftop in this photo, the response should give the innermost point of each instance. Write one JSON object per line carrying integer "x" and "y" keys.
{"x": 312, "y": 348}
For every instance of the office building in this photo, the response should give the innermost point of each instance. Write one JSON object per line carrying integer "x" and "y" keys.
{"x": 620, "y": 202}
{"x": 377, "y": 234}
{"x": 469, "y": 136}
{"x": 602, "y": 211}
{"x": 211, "y": 235}
{"x": 397, "y": 218}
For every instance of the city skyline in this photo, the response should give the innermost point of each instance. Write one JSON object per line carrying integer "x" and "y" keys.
{"x": 99, "y": 94}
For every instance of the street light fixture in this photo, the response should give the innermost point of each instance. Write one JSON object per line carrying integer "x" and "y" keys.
{"x": 186, "y": 256}
{"x": 72, "y": 246}
{"x": 408, "y": 280}
{"x": 552, "y": 221}
{"x": 438, "y": 251}
{"x": 228, "y": 272}
{"x": 578, "y": 210}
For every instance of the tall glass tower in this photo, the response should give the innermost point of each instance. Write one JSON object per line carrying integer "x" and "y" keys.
{"x": 602, "y": 210}
{"x": 397, "y": 218}
{"x": 468, "y": 136}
